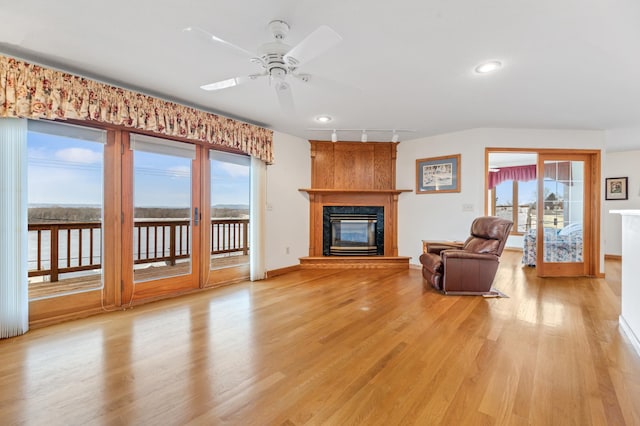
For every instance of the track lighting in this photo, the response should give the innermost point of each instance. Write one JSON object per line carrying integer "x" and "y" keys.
{"x": 387, "y": 134}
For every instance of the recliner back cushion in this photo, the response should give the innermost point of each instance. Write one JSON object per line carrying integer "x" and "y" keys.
{"x": 489, "y": 228}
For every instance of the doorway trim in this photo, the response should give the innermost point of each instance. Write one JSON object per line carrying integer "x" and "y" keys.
{"x": 594, "y": 203}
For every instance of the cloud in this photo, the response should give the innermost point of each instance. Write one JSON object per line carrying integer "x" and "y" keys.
{"x": 37, "y": 153}
{"x": 79, "y": 155}
{"x": 234, "y": 170}
{"x": 179, "y": 171}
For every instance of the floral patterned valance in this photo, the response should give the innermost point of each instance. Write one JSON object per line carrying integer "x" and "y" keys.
{"x": 33, "y": 91}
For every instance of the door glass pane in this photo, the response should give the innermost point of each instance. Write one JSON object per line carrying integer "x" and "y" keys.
{"x": 527, "y": 194}
{"x": 563, "y": 211}
{"x": 230, "y": 195}
{"x": 504, "y": 200}
{"x": 162, "y": 239}
{"x": 513, "y": 188}
{"x": 65, "y": 193}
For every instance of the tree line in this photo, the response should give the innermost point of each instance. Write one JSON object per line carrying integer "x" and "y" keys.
{"x": 94, "y": 214}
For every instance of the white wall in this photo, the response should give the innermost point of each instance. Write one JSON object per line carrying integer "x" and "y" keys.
{"x": 441, "y": 216}
{"x": 620, "y": 164}
{"x": 287, "y": 210}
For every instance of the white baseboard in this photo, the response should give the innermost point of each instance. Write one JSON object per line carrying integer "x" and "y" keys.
{"x": 630, "y": 334}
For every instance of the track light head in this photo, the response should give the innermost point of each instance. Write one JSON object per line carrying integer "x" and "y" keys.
{"x": 364, "y": 137}
{"x": 395, "y": 137}
{"x": 334, "y": 136}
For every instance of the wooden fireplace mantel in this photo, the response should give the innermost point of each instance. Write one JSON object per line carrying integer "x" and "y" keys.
{"x": 353, "y": 174}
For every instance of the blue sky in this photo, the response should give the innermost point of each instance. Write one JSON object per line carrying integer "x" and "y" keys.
{"x": 526, "y": 191}
{"x": 63, "y": 170}
{"x": 69, "y": 171}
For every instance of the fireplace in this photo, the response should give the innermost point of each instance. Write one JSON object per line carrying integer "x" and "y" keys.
{"x": 353, "y": 231}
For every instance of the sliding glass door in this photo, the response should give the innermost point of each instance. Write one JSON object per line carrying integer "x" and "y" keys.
{"x": 65, "y": 195}
{"x": 229, "y": 192}
{"x": 163, "y": 230}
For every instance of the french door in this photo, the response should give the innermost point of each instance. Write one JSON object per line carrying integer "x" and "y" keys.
{"x": 161, "y": 218}
{"x": 117, "y": 218}
{"x": 565, "y": 217}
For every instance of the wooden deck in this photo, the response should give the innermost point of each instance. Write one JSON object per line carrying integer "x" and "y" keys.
{"x": 44, "y": 289}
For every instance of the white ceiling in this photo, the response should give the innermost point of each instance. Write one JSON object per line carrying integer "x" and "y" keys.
{"x": 570, "y": 64}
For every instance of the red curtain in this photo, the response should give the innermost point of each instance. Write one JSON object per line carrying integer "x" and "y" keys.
{"x": 519, "y": 173}
{"x": 561, "y": 172}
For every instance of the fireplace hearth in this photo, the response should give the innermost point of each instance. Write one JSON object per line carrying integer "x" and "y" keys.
{"x": 353, "y": 231}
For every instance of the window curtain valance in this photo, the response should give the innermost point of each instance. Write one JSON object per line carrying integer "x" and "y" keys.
{"x": 558, "y": 171}
{"x": 518, "y": 173}
{"x": 33, "y": 91}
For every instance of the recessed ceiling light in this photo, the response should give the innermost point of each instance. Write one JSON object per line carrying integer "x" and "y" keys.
{"x": 323, "y": 118}
{"x": 487, "y": 67}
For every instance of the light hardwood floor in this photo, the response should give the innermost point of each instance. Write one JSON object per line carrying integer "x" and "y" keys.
{"x": 336, "y": 348}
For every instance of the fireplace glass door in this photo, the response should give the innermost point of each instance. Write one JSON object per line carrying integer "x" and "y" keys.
{"x": 353, "y": 236}
{"x": 353, "y": 231}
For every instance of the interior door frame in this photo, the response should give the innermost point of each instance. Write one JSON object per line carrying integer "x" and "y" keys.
{"x": 133, "y": 292}
{"x": 591, "y": 252}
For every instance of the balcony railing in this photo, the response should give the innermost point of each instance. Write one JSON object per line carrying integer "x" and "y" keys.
{"x": 64, "y": 247}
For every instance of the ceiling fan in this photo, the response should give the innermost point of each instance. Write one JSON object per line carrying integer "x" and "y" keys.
{"x": 278, "y": 60}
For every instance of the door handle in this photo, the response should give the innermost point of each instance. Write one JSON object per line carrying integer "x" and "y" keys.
{"x": 196, "y": 217}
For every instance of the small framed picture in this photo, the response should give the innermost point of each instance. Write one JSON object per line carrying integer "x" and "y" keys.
{"x": 438, "y": 174}
{"x": 616, "y": 188}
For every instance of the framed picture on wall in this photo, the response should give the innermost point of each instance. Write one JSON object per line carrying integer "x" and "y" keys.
{"x": 616, "y": 188}
{"x": 438, "y": 174}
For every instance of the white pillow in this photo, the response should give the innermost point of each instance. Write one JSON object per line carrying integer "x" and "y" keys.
{"x": 575, "y": 227}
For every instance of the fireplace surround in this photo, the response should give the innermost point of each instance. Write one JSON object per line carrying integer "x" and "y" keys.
{"x": 346, "y": 177}
{"x": 353, "y": 231}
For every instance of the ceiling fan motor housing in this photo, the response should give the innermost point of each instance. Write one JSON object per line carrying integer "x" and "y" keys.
{"x": 272, "y": 55}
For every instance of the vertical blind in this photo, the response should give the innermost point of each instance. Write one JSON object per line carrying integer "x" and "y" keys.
{"x": 14, "y": 296}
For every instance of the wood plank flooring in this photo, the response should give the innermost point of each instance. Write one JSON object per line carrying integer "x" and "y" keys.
{"x": 329, "y": 347}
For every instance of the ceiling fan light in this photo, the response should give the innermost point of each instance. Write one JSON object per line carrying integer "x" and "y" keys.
{"x": 220, "y": 84}
{"x": 487, "y": 67}
{"x": 334, "y": 136}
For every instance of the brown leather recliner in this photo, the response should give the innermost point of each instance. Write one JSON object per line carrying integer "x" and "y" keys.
{"x": 472, "y": 268}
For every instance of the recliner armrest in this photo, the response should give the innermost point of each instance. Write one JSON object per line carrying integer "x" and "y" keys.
{"x": 432, "y": 262}
{"x": 438, "y": 248}
{"x": 462, "y": 254}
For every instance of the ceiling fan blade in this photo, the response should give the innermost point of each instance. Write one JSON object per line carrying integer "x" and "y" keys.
{"x": 285, "y": 97}
{"x": 206, "y": 35}
{"x": 224, "y": 84}
{"x": 316, "y": 43}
